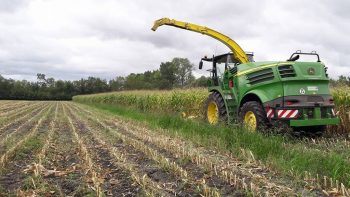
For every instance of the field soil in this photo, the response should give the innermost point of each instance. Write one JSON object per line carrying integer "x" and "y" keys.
{"x": 68, "y": 149}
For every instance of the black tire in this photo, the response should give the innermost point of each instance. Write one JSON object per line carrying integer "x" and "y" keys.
{"x": 220, "y": 103}
{"x": 259, "y": 112}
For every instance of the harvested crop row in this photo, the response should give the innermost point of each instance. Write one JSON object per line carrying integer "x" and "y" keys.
{"x": 15, "y": 111}
{"x": 241, "y": 183}
{"x": 51, "y": 131}
{"x": 104, "y": 173}
{"x": 6, "y": 102}
{"x": 32, "y": 126}
{"x": 240, "y": 174}
{"x": 164, "y": 162}
{"x": 19, "y": 116}
{"x": 310, "y": 182}
{"x": 149, "y": 187}
{"x": 209, "y": 183}
{"x": 154, "y": 173}
{"x": 57, "y": 169}
{"x": 8, "y": 108}
{"x": 181, "y": 149}
{"x": 13, "y": 133}
{"x": 15, "y": 180}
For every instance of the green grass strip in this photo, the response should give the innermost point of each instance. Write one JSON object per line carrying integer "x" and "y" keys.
{"x": 279, "y": 153}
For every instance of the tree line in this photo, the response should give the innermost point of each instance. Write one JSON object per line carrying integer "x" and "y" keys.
{"x": 176, "y": 73}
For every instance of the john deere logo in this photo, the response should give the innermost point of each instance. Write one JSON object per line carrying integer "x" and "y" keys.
{"x": 311, "y": 71}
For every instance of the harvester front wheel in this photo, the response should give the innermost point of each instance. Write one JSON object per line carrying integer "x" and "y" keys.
{"x": 253, "y": 116}
{"x": 215, "y": 109}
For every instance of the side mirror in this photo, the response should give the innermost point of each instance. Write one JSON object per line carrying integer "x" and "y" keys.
{"x": 200, "y": 65}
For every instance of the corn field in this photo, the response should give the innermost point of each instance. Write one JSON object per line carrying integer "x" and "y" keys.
{"x": 187, "y": 102}
{"x": 190, "y": 102}
{"x": 341, "y": 96}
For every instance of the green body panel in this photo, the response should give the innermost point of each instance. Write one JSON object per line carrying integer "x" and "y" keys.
{"x": 311, "y": 87}
{"x": 314, "y": 122}
{"x": 278, "y": 87}
{"x": 313, "y": 84}
{"x": 266, "y": 91}
{"x": 268, "y": 81}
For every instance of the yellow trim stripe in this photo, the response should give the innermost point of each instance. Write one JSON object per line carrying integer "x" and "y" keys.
{"x": 259, "y": 68}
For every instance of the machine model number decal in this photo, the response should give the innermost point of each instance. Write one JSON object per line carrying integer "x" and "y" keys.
{"x": 302, "y": 91}
{"x": 312, "y": 88}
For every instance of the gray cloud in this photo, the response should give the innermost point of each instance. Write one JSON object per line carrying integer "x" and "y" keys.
{"x": 11, "y": 5}
{"x": 73, "y": 39}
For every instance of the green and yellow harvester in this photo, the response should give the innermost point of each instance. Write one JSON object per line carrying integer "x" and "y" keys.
{"x": 284, "y": 94}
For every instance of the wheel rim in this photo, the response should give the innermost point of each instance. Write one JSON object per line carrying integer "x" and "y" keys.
{"x": 213, "y": 113}
{"x": 250, "y": 121}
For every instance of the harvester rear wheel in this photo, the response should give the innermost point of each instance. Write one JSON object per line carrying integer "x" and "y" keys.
{"x": 215, "y": 109}
{"x": 253, "y": 116}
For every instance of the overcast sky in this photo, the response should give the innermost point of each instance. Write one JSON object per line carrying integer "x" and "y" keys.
{"x": 70, "y": 39}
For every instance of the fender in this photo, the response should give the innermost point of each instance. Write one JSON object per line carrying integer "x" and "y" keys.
{"x": 229, "y": 118}
{"x": 261, "y": 95}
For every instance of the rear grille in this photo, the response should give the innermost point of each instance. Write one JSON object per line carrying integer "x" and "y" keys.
{"x": 260, "y": 76}
{"x": 286, "y": 71}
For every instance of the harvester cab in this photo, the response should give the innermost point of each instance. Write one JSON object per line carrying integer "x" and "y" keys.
{"x": 221, "y": 64}
{"x": 262, "y": 94}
